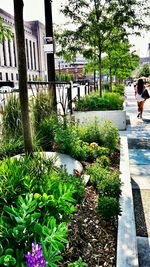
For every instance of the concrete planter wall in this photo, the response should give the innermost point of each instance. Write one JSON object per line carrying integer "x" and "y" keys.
{"x": 117, "y": 117}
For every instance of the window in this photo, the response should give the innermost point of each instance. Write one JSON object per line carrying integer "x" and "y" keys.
{"x": 4, "y": 53}
{"x": 17, "y": 76}
{"x": 9, "y": 52}
{"x": 6, "y": 76}
{"x": 27, "y": 54}
{"x": 14, "y": 48}
{"x": 1, "y": 76}
{"x": 12, "y": 76}
{"x": 31, "y": 58}
{"x": 34, "y": 56}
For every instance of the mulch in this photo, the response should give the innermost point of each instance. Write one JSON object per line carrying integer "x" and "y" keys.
{"x": 90, "y": 236}
{"x": 141, "y": 199}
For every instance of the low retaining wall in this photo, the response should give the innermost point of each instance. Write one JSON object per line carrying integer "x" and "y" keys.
{"x": 117, "y": 117}
{"x": 127, "y": 253}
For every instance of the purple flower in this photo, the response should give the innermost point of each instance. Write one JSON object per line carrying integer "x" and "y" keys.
{"x": 35, "y": 258}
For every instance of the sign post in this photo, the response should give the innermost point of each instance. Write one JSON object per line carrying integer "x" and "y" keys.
{"x": 48, "y": 45}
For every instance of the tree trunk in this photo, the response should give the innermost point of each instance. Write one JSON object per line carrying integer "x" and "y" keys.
{"x": 22, "y": 70}
{"x": 100, "y": 71}
{"x": 110, "y": 82}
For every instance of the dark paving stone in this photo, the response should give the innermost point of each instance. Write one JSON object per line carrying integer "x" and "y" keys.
{"x": 136, "y": 143}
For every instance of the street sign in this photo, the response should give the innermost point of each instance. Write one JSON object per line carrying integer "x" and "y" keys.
{"x": 48, "y": 45}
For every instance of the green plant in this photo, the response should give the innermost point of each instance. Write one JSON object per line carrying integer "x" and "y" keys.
{"x": 77, "y": 182}
{"x": 10, "y": 147}
{"x": 7, "y": 260}
{"x": 109, "y": 101}
{"x": 108, "y": 207}
{"x": 41, "y": 108}
{"x": 110, "y": 185}
{"x": 12, "y": 121}
{"x": 78, "y": 263}
{"x": 97, "y": 173}
{"x": 46, "y": 132}
{"x": 118, "y": 88}
{"x": 104, "y": 161}
{"x": 59, "y": 200}
{"x": 21, "y": 224}
{"x": 104, "y": 133}
{"x": 109, "y": 135}
{"x": 11, "y": 176}
{"x": 22, "y": 219}
{"x": 52, "y": 238}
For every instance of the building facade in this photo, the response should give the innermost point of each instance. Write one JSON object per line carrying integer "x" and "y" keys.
{"x": 34, "y": 48}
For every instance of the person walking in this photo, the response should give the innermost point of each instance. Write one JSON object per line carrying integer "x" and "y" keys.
{"x": 141, "y": 95}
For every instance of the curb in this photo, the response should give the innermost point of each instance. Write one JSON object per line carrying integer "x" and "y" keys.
{"x": 127, "y": 253}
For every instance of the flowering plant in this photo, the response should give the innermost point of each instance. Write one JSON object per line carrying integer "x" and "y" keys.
{"x": 35, "y": 258}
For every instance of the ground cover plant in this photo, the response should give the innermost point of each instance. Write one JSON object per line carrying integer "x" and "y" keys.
{"x": 68, "y": 222}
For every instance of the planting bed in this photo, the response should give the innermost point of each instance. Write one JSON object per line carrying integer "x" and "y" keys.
{"x": 90, "y": 237}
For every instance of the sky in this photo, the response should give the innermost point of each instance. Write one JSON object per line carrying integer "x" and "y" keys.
{"x": 34, "y": 10}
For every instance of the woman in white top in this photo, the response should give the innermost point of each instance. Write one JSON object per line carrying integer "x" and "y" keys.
{"x": 140, "y": 100}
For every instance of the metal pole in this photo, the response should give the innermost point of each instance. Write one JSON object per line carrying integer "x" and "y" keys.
{"x": 49, "y": 33}
{"x": 50, "y": 57}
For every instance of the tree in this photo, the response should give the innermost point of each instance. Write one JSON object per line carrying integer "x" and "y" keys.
{"x": 94, "y": 22}
{"x": 120, "y": 61}
{"x": 22, "y": 70}
{"x": 5, "y": 31}
{"x": 145, "y": 71}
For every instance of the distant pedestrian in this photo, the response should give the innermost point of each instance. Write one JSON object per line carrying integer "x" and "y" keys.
{"x": 141, "y": 95}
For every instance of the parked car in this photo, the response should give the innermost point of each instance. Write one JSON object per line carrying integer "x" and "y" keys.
{"x": 6, "y": 89}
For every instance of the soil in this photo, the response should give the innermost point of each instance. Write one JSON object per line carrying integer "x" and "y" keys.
{"x": 90, "y": 236}
{"x": 141, "y": 199}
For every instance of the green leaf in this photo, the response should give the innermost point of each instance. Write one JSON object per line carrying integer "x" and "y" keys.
{"x": 45, "y": 230}
{"x": 36, "y": 215}
{"x": 9, "y": 251}
{"x": 1, "y": 249}
{"x": 38, "y": 228}
{"x": 52, "y": 223}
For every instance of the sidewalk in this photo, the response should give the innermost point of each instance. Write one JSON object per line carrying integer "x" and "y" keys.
{"x": 138, "y": 134}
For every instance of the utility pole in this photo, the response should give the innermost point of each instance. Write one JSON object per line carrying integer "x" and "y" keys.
{"x": 50, "y": 56}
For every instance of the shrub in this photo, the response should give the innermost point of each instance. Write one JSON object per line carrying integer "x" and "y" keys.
{"x": 97, "y": 173}
{"x": 109, "y": 101}
{"x": 104, "y": 161}
{"x": 90, "y": 132}
{"x": 118, "y": 88}
{"x": 110, "y": 185}
{"x": 109, "y": 135}
{"x": 108, "y": 207}
{"x": 115, "y": 101}
{"x": 104, "y": 133}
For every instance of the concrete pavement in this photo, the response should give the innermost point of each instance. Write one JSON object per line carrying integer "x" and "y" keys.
{"x": 138, "y": 136}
